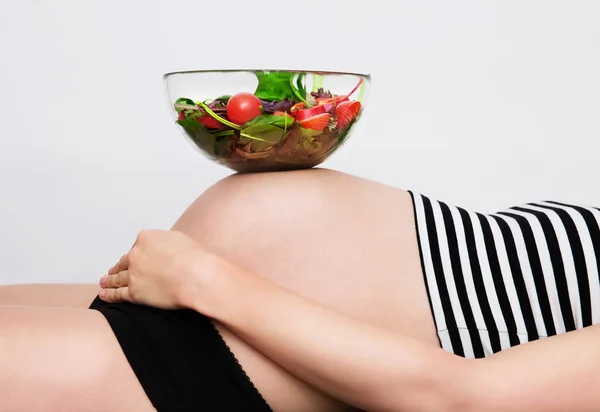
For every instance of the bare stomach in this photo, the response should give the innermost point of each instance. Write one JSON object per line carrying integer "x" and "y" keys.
{"x": 362, "y": 260}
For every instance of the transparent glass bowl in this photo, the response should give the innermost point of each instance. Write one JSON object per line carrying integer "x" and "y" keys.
{"x": 266, "y": 120}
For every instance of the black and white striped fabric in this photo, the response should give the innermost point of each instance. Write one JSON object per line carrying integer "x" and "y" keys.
{"x": 504, "y": 279}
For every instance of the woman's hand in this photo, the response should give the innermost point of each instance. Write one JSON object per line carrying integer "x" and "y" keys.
{"x": 163, "y": 269}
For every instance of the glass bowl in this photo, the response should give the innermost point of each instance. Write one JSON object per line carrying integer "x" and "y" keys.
{"x": 266, "y": 120}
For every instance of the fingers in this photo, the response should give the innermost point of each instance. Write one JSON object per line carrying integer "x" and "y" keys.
{"x": 122, "y": 265}
{"x": 118, "y": 280}
{"x": 115, "y": 288}
{"x": 115, "y": 295}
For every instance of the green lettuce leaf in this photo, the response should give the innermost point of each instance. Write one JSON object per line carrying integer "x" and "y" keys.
{"x": 199, "y": 134}
{"x": 279, "y": 121}
{"x": 191, "y": 124}
{"x": 300, "y": 85}
{"x": 267, "y": 133}
{"x": 274, "y": 86}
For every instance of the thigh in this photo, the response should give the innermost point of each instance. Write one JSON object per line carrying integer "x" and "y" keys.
{"x": 59, "y": 359}
{"x": 346, "y": 242}
{"x": 64, "y": 359}
{"x": 49, "y": 295}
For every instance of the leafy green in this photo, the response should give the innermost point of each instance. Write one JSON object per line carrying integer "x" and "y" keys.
{"x": 321, "y": 93}
{"x": 267, "y": 133}
{"x": 190, "y": 124}
{"x": 309, "y": 133}
{"x": 258, "y": 146}
{"x": 222, "y": 145}
{"x": 206, "y": 141}
{"x": 277, "y": 106}
{"x": 318, "y": 82}
{"x": 311, "y": 146}
{"x": 219, "y": 118}
{"x": 190, "y": 110}
{"x": 279, "y": 121}
{"x": 344, "y": 135}
{"x": 225, "y": 98}
{"x": 218, "y": 103}
{"x": 198, "y": 133}
{"x": 184, "y": 100}
{"x": 224, "y": 133}
{"x": 300, "y": 90}
{"x": 277, "y": 86}
{"x": 274, "y": 85}
{"x": 361, "y": 92}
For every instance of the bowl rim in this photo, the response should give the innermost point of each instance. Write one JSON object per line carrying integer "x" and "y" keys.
{"x": 306, "y": 71}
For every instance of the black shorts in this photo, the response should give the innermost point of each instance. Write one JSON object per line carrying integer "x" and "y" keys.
{"x": 180, "y": 359}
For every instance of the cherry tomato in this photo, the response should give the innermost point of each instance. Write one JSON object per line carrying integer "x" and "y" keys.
{"x": 243, "y": 107}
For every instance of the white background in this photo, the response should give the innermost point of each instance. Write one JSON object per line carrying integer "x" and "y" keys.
{"x": 482, "y": 104}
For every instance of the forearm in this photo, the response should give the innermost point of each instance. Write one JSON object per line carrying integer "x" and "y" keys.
{"x": 377, "y": 370}
{"x": 363, "y": 365}
{"x": 556, "y": 374}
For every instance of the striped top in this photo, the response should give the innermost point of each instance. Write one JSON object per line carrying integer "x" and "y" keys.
{"x": 504, "y": 279}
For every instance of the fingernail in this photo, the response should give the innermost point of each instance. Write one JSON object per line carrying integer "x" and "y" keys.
{"x": 102, "y": 294}
{"x": 103, "y": 280}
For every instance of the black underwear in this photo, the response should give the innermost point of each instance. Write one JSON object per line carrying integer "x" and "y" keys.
{"x": 180, "y": 359}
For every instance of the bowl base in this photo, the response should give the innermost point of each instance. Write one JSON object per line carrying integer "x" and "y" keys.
{"x": 254, "y": 167}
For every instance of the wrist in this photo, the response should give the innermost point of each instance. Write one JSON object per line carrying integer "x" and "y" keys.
{"x": 216, "y": 286}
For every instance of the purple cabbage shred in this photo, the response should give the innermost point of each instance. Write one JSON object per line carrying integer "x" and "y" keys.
{"x": 278, "y": 106}
{"x": 321, "y": 93}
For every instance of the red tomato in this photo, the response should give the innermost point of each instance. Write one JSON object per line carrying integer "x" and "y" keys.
{"x": 243, "y": 107}
{"x": 306, "y": 113}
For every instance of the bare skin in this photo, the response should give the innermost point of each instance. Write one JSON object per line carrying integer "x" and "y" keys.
{"x": 58, "y": 359}
{"x": 55, "y": 295}
{"x": 342, "y": 241}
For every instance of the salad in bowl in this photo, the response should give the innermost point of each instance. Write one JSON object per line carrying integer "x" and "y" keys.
{"x": 266, "y": 120}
